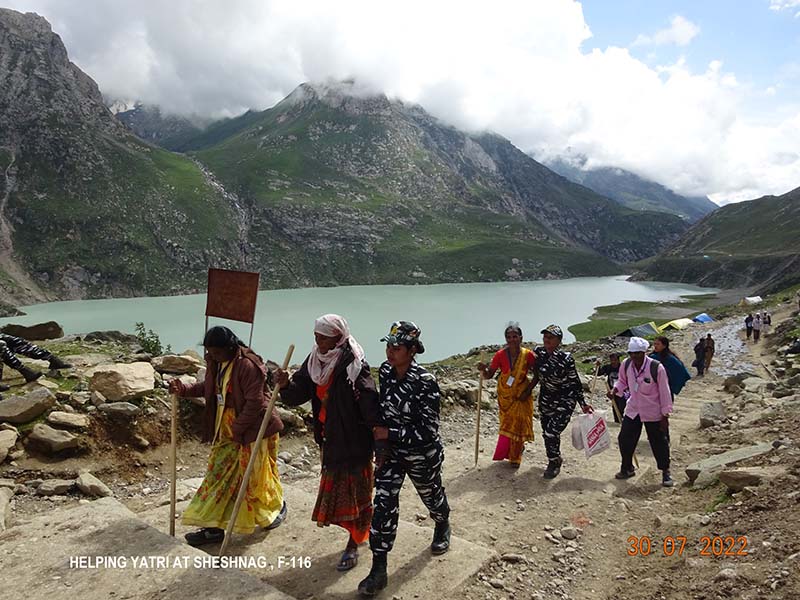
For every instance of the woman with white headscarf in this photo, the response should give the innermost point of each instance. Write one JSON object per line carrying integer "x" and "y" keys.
{"x": 336, "y": 378}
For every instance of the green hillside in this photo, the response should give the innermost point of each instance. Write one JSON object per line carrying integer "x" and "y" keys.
{"x": 748, "y": 244}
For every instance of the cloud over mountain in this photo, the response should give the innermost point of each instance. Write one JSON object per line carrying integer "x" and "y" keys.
{"x": 522, "y": 68}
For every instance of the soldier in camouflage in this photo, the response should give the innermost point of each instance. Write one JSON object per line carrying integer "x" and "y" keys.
{"x": 409, "y": 406}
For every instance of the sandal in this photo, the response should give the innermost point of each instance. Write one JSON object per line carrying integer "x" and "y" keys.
{"x": 348, "y": 560}
{"x": 206, "y": 535}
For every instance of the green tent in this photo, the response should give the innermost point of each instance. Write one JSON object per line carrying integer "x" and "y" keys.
{"x": 644, "y": 330}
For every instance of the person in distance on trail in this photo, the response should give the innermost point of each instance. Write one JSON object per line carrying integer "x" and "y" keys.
{"x": 611, "y": 373}
{"x": 709, "y": 352}
{"x": 650, "y": 404}
{"x": 234, "y": 391}
{"x": 336, "y": 379}
{"x": 560, "y": 391}
{"x": 409, "y": 405}
{"x": 748, "y": 325}
{"x": 699, "y": 362}
{"x": 766, "y": 323}
{"x": 756, "y": 328}
{"x": 11, "y": 345}
{"x": 513, "y": 395}
{"x": 677, "y": 375}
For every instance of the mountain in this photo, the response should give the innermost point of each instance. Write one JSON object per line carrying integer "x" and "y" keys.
{"x": 86, "y": 208}
{"x": 167, "y": 131}
{"x": 752, "y": 244}
{"x": 633, "y": 191}
{"x": 332, "y": 166}
{"x": 331, "y": 186}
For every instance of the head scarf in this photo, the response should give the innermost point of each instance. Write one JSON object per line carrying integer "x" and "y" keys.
{"x": 321, "y": 366}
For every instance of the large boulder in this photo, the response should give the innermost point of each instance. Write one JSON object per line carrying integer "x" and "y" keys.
{"x": 21, "y": 409}
{"x": 55, "y": 487}
{"x": 177, "y": 364}
{"x": 92, "y": 486}
{"x": 719, "y": 461}
{"x": 111, "y": 336}
{"x": 738, "y": 479}
{"x": 122, "y": 381}
{"x": 712, "y": 413}
{"x": 68, "y": 420}
{"x": 51, "y": 441}
{"x": 41, "y": 331}
{"x": 120, "y": 409}
{"x": 8, "y": 439}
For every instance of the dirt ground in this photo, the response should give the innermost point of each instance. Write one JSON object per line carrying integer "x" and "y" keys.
{"x": 583, "y": 535}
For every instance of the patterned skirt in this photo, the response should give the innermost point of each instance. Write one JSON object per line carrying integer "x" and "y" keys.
{"x": 345, "y": 499}
{"x": 213, "y": 502}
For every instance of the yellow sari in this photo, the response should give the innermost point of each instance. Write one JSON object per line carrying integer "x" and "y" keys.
{"x": 516, "y": 413}
{"x": 213, "y": 502}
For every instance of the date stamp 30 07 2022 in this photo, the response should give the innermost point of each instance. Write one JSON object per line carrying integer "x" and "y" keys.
{"x": 677, "y": 545}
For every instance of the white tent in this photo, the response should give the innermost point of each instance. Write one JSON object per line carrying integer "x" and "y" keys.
{"x": 752, "y": 300}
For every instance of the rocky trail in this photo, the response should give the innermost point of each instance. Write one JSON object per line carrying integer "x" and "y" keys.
{"x": 515, "y": 535}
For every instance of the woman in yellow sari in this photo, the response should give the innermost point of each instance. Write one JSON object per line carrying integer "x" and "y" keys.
{"x": 235, "y": 405}
{"x": 515, "y": 400}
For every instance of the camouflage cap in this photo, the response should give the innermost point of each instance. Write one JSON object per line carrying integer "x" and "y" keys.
{"x": 404, "y": 333}
{"x": 553, "y": 330}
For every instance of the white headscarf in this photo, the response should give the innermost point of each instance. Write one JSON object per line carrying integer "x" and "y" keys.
{"x": 321, "y": 366}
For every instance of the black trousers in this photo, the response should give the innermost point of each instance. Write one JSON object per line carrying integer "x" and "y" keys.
{"x": 11, "y": 345}
{"x": 628, "y": 438}
{"x": 424, "y": 468}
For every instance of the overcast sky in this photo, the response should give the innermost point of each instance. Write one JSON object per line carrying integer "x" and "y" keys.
{"x": 703, "y": 97}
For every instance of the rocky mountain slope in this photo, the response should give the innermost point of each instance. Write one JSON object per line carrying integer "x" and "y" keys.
{"x": 87, "y": 208}
{"x": 419, "y": 196}
{"x": 331, "y": 186}
{"x": 749, "y": 244}
{"x": 167, "y": 131}
{"x": 633, "y": 191}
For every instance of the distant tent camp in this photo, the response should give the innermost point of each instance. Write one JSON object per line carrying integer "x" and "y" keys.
{"x": 702, "y": 318}
{"x": 751, "y": 300}
{"x": 644, "y": 330}
{"x": 676, "y": 324}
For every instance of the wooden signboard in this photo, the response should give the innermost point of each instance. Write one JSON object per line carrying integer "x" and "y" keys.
{"x": 232, "y": 295}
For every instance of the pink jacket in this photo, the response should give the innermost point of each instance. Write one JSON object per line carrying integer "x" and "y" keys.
{"x": 649, "y": 400}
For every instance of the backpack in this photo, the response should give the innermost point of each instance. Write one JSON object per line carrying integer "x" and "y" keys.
{"x": 653, "y": 368}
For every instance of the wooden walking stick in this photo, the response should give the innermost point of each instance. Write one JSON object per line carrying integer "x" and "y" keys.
{"x": 173, "y": 471}
{"x": 478, "y": 418}
{"x": 254, "y": 452}
{"x": 594, "y": 379}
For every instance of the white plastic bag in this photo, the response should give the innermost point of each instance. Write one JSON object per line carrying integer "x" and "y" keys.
{"x": 594, "y": 433}
{"x": 577, "y": 437}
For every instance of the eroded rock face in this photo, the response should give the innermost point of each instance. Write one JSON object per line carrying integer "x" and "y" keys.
{"x": 122, "y": 381}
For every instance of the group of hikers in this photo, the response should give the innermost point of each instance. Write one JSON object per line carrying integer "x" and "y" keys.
{"x": 371, "y": 437}
{"x": 704, "y": 351}
{"x": 757, "y": 325}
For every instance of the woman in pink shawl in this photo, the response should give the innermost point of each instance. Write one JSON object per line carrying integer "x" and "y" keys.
{"x": 336, "y": 379}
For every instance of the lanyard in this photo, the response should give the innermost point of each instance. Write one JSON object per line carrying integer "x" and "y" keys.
{"x": 220, "y": 398}
{"x": 221, "y": 376}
